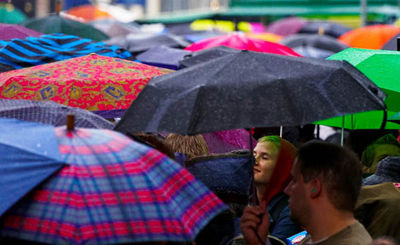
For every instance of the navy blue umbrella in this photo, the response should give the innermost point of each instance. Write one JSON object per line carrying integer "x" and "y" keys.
{"x": 163, "y": 56}
{"x": 26, "y": 159}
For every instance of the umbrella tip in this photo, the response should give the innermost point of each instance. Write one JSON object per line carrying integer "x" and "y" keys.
{"x": 70, "y": 122}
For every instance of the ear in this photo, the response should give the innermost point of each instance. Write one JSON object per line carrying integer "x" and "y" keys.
{"x": 315, "y": 188}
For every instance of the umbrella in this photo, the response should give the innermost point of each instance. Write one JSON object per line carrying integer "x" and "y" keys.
{"x": 205, "y": 55}
{"x": 114, "y": 28}
{"x": 377, "y": 65}
{"x": 250, "y": 89}
{"x": 49, "y": 112}
{"x": 137, "y": 43}
{"x": 8, "y": 32}
{"x": 286, "y": 26}
{"x": 370, "y": 37}
{"x": 11, "y": 15}
{"x": 58, "y": 24}
{"x": 228, "y": 140}
{"x": 163, "y": 56}
{"x": 314, "y": 45}
{"x": 20, "y": 53}
{"x": 112, "y": 190}
{"x": 395, "y": 118}
{"x": 92, "y": 82}
{"x": 89, "y": 12}
{"x": 328, "y": 28}
{"x": 392, "y": 43}
{"x": 242, "y": 42}
{"x": 25, "y": 161}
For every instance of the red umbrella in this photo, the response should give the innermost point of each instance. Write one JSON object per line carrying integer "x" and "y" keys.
{"x": 242, "y": 42}
{"x": 92, "y": 82}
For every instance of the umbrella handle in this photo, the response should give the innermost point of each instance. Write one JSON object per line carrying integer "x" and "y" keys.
{"x": 70, "y": 122}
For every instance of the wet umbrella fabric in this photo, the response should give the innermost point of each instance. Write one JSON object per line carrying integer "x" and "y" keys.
{"x": 49, "y": 112}
{"x": 205, "y": 55}
{"x": 163, "y": 56}
{"x": 250, "y": 89}
{"x": 92, "y": 82}
{"x": 25, "y": 160}
{"x": 58, "y": 24}
{"x": 20, "y": 53}
{"x": 328, "y": 28}
{"x": 8, "y": 32}
{"x": 113, "y": 190}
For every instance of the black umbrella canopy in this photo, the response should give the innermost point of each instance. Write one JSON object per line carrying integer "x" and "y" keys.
{"x": 314, "y": 40}
{"x": 204, "y": 55}
{"x": 250, "y": 89}
{"x": 329, "y": 28}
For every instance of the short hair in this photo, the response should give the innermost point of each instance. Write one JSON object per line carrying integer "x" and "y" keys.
{"x": 190, "y": 145}
{"x": 338, "y": 168}
{"x": 273, "y": 139}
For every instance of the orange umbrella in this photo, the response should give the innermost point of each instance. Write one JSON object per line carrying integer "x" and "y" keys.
{"x": 89, "y": 12}
{"x": 370, "y": 37}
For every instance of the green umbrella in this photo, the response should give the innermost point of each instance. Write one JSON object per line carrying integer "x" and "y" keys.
{"x": 58, "y": 24}
{"x": 10, "y": 15}
{"x": 382, "y": 68}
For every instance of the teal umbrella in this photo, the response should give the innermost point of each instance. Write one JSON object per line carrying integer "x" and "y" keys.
{"x": 57, "y": 24}
{"x": 381, "y": 67}
{"x": 11, "y": 15}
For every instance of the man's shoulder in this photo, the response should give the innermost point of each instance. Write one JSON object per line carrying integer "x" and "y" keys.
{"x": 354, "y": 234}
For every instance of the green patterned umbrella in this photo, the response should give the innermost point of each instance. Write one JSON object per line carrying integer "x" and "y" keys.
{"x": 382, "y": 68}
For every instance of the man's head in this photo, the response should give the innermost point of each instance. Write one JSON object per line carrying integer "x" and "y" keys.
{"x": 323, "y": 170}
{"x": 266, "y": 154}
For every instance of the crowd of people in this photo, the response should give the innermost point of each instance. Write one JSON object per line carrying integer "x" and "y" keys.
{"x": 309, "y": 185}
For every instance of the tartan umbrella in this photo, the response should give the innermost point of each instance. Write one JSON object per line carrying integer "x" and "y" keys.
{"x": 93, "y": 82}
{"x": 113, "y": 190}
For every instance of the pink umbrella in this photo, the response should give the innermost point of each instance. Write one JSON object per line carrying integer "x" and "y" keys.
{"x": 286, "y": 26}
{"x": 242, "y": 42}
{"x": 228, "y": 140}
{"x": 8, "y": 31}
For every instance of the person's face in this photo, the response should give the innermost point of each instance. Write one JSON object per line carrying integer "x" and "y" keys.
{"x": 297, "y": 192}
{"x": 265, "y": 155}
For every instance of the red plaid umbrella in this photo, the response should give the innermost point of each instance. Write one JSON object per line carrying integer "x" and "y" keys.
{"x": 113, "y": 190}
{"x": 91, "y": 82}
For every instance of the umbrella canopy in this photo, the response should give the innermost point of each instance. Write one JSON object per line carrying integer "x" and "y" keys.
{"x": 286, "y": 26}
{"x": 250, "y": 89}
{"x": 314, "y": 45}
{"x": 49, "y": 112}
{"x": 112, "y": 190}
{"x": 20, "y": 53}
{"x": 137, "y": 43}
{"x": 242, "y": 42}
{"x": 11, "y": 15}
{"x": 8, "y": 31}
{"x": 329, "y": 28}
{"x": 58, "y": 24}
{"x": 370, "y": 37}
{"x": 89, "y": 12}
{"x": 395, "y": 118}
{"x": 205, "y": 55}
{"x": 392, "y": 43}
{"x": 377, "y": 65}
{"x": 92, "y": 82}
{"x": 25, "y": 160}
{"x": 114, "y": 28}
{"x": 163, "y": 56}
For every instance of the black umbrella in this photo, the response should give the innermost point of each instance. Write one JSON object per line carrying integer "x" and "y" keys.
{"x": 49, "y": 112}
{"x": 250, "y": 89}
{"x": 326, "y": 27}
{"x": 163, "y": 56}
{"x": 314, "y": 40}
{"x": 204, "y": 55}
{"x": 137, "y": 43}
{"x": 392, "y": 43}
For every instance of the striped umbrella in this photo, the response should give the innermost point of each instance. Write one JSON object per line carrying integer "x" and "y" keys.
{"x": 32, "y": 51}
{"x": 113, "y": 190}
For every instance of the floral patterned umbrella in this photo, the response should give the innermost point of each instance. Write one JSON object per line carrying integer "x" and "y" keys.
{"x": 96, "y": 83}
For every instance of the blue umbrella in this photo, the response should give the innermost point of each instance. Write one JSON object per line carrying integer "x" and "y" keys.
{"x": 26, "y": 160}
{"x": 163, "y": 56}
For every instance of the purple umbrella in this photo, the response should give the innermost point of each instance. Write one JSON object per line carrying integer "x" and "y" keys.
{"x": 8, "y": 31}
{"x": 286, "y": 26}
